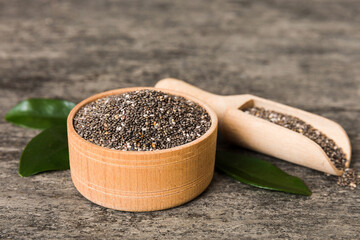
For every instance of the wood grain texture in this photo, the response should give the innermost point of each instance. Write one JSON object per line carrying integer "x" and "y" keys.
{"x": 144, "y": 180}
{"x": 304, "y": 54}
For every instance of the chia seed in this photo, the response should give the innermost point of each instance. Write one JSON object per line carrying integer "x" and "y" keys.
{"x": 336, "y": 154}
{"x": 143, "y": 120}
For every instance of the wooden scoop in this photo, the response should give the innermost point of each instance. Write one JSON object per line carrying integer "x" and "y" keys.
{"x": 266, "y": 137}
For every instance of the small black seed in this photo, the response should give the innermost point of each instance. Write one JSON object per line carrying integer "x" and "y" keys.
{"x": 141, "y": 121}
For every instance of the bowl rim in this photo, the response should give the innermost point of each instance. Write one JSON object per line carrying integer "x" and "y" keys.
{"x": 210, "y": 111}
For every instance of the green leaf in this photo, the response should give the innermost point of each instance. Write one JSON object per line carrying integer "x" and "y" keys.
{"x": 47, "y": 151}
{"x": 39, "y": 113}
{"x": 259, "y": 173}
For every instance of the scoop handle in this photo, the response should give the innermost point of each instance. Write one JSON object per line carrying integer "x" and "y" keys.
{"x": 181, "y": 86}
{"x": 218, "y": 103}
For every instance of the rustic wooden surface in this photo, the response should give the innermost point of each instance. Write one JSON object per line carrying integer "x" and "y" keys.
{"x": 305, "y": 54}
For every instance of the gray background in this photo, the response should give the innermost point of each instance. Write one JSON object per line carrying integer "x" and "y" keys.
{"x": 302, "y": 53}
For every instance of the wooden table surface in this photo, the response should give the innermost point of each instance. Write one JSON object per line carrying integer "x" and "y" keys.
{"x": 302, "y": 53}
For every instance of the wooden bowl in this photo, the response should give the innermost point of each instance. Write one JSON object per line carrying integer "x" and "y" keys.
{"x": 141, "y": 180}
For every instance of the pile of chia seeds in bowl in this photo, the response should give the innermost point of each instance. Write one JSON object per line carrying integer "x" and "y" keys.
{"x": 143, "y": 120}
{"x": 336, "y": 155}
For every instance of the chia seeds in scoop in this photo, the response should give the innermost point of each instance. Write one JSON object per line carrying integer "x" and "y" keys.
{"x": 335, "y": 153}
{"x": 143, "y": 120}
